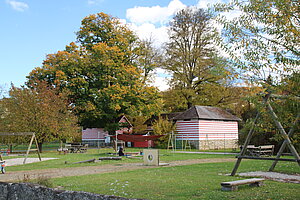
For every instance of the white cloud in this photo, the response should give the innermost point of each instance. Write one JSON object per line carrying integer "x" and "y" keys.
{"x": 151, "y": 22}
{"x": 205, "y": 3}
{"x": 146, "y": 31}
{"x": 18, "y": 5}
{"x": 154, "y": 14}
{"x": 161, "y": 79}
{"x": 94, "y": 2}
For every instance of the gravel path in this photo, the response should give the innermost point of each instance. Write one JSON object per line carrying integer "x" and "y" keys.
{"x": 76, "y": 171}
{"x": 273, "y": 176}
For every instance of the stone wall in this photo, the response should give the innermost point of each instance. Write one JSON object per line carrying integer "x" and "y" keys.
{"x": 214, "y": 144}
{"x": 27, "y": 191}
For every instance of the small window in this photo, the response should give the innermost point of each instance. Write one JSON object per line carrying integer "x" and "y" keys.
{"x": 187, "y": 120}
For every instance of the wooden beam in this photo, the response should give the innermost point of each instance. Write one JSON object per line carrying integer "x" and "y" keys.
{"x": 244, "y": 148}
{"x": 283, "y": 133}
{"x": 284, "y": 144}
{"x": 37, "y": 146}
{"x": 29, "y": 147}
{"x": 268, "y": 158}
{"x": 15, "y": 133}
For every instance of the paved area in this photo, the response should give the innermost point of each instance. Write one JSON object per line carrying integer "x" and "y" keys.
{"x": 273, "y": 176}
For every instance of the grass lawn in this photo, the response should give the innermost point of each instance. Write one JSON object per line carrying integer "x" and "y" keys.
{"x": 165, "y": 156}
{"x": 198, "y": 181}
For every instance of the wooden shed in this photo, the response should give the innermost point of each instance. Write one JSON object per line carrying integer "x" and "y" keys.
{"x": 207, "y": 127}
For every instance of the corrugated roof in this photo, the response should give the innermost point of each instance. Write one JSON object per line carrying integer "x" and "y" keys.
{"x": 206, "y": 112}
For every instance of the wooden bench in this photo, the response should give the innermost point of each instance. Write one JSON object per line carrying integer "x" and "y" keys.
{"x": 265, "y": 150}
{"x": 233, "y": 185}
{"x": 64, "y": 150}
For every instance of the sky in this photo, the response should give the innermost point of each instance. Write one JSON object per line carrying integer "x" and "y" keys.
{"x": 31, "y": 29}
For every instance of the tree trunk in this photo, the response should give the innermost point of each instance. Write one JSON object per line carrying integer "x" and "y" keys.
{"x": 40, "y": 146}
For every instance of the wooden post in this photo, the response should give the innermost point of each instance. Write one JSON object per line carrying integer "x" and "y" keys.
{"x": 249, "y": 136}
{"x": 37, "y": 147}
{"x": 244, "y": 148}
{"x": 283, "y": 133}
{"x": 290, "y": 134}
{"x": 29, "y": 147}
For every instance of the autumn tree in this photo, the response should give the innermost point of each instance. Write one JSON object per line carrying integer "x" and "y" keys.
{"x": 100, "y": 72}
{"x": 192, "y": 58}
{"x": 165, "y": 127}
{"x": 41, "y": 110}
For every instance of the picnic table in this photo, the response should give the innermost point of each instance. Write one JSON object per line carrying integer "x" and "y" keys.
{"x": 77, "y": 148}
{"x": 264, "y": 150}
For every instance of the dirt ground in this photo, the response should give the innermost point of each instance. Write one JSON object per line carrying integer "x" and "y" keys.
{"x": 76, "y": 171}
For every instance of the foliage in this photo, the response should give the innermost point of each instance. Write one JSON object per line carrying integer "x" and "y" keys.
{"x": 163, "y": 127}
{"x": 192, "y": 59}
{"x": 41, "y": 110}
{"x": 286, "y": 107}
{"x": 264, "y": 38}
{"x": 100, "y": 73}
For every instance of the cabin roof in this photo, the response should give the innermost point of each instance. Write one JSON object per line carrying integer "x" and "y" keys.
{"x": 206, "y": 112}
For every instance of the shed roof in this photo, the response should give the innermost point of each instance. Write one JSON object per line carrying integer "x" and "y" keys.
{"x": 206, "y": 112}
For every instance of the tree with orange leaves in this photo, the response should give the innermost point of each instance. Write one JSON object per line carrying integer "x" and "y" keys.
{"x": 100, "y": 73}
{"x": 41, "y": 110}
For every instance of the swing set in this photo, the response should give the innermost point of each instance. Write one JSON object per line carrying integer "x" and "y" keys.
{"x": 286, "y": 143}
{"x": 22, "y": 134}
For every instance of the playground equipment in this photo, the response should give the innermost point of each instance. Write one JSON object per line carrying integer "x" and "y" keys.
{"x": 287, "y": 141}
{"x": 22, "y": 134}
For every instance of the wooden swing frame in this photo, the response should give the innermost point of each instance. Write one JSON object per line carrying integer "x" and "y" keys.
{"x": 33, "y": 138}
{"x": 287, "y": 142}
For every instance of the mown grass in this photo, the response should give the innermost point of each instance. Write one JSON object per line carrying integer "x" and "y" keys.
{"x": 198, "y": 181}
{"x": 165, "y": 156}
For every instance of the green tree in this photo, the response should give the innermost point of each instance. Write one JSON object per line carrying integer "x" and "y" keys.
{"x": 163, "y": 127}
{"x": 264, "y": 39}
{"x": 100, "y": 73}
{"x": 149, "y": 58}
{"x": 264, "y": 42}
{"x": 41, "y": 110}
{"x": 191, "y": 55}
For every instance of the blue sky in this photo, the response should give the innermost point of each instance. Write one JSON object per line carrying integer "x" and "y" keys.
{"x": 31, "y": 29}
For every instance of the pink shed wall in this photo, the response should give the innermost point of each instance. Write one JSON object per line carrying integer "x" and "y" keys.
{"x": 94, "y": 134}
{"x": 206, "y": 130}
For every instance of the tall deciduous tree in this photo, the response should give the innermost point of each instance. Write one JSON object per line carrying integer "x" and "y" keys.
{"x": 100, "y": 73}
{"x": 191, "y": 55}
{"x": 41, "y": 110}
{"x": 149, "y": 58}
{"x": 265, "y": 38}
